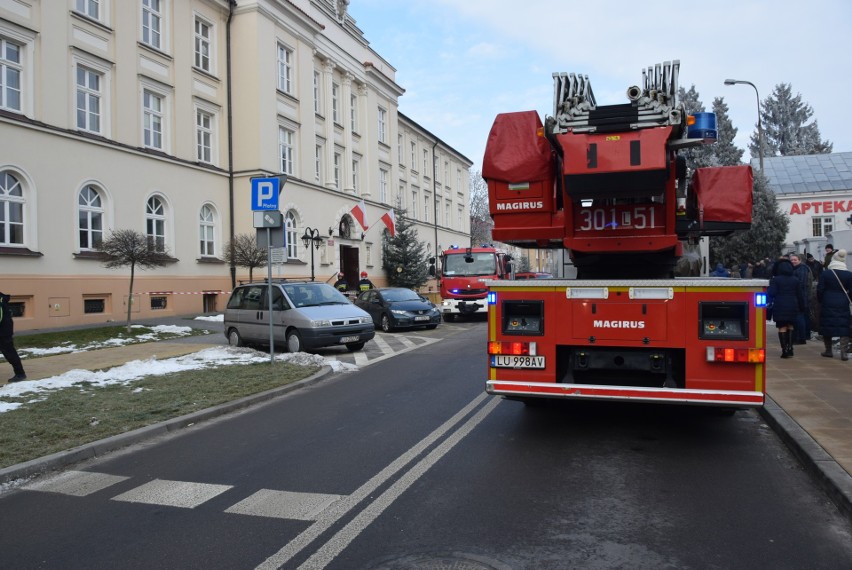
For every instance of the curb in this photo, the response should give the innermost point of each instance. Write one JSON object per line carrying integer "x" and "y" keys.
{"x": 103, "y": 446}
{"x": 827, "y": 473}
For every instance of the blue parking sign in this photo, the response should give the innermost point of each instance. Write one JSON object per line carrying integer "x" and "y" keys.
{"x": 264, "y": 193}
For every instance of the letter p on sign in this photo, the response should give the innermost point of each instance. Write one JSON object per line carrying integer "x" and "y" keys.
{"x": 264, "y": 194}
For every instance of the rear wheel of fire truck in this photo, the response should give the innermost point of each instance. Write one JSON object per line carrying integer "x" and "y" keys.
{"x": 386, "y": 323}
{"x": 449, "y": 317}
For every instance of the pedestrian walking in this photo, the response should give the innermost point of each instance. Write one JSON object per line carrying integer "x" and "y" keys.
{"x": 7, "y": 343}
{"x": 829, "y": 252}
{"x": 806, "y": 283}
{"x": 833, "y": 294}
{"x": 785, "y": 298}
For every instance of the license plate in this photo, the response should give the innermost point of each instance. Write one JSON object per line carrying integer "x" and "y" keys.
{"x": 506, "y": 361}
{"x": 424, "y": 318}
{"x": 349, "y": 338}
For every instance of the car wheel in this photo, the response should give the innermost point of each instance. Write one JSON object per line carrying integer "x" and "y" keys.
{"x": 387, "y": 326}
{"x": 355, "y": 346}
{"x": 449, "y": 317}
{"x": 234, "y": 338}
{"x": 294, "y": 341}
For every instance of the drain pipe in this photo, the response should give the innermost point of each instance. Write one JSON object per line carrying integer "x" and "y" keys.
{"x": 231, "y": 5}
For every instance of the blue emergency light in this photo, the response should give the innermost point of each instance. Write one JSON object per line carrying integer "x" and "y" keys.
{"x": 492, "y": 298}
{"x": 703, "y": 128}
{"x": 760, "y": 299}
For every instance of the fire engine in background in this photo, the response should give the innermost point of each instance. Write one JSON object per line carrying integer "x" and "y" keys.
{"x": 608, "y": 183}
{"x": 463, "y": 276}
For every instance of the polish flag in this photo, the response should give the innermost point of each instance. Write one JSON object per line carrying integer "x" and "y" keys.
{"x": 359, "y": 212}
{"x": 390, "y": 221}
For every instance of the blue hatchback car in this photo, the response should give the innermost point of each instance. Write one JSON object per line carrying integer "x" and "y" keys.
{"x": 396, "y": 307}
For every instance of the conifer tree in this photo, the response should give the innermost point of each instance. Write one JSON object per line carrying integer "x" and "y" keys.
{"x": 785, "y": 132}
{"x": 404, "y": 255}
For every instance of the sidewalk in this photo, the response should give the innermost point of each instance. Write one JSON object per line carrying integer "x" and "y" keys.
{"x": 809, "y": 399}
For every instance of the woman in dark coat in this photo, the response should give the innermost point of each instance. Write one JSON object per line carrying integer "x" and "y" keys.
{"x": 785, "y": 297}
{"x": 834, "y": 316}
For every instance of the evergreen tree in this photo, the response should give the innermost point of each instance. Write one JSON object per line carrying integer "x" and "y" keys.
{"x": 725, "y": 152}
{"x": 764, "y": 239}
{"x": 405, "y": 259}
{"x": 700, "y": 156}
{"x": 785, "y": 133}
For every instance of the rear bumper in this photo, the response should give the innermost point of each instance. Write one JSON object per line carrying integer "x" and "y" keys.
{"x": 625, "y": 393}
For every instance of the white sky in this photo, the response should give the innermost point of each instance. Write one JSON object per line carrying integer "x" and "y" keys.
{"x": 36, "y": 390}
{"x": 462, "y": 62}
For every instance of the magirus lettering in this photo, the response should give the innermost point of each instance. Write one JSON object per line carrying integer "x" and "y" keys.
{"x": 520, "y": 205}
{"x": 618, "y": 324}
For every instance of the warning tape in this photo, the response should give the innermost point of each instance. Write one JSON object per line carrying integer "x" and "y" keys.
{"x": 186, "y": 293}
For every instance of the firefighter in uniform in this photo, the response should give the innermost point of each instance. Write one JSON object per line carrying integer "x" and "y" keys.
{"x": 341, "y": 284}
{"x": 364, "y": 284}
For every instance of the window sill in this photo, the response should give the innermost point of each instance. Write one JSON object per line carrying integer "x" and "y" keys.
{"x": 213, "y": 260}
{"x": 96, "y": 255}
{"x": 19, "y": 251}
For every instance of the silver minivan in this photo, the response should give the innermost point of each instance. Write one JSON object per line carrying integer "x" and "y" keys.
{"x": 306, "y": 315}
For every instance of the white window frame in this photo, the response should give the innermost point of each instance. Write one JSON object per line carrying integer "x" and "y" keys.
{"x": 89, "y": 8}
{"x": 207, "y": 218}
{"x": 155, "y": 117}
{"x": 317, "y": 93}
{"x": 285, "y": 68}
{"x": 426, "y": 171}
{"x": 156, "y": 218}
{"x": 90, "y": 209}
{"x": 426, "y": 199}
{"x": 153, "y": 24}
{"x": 201, "y": 42}
{"x": 356, "y": 173}
{"x": 335, "y": 102}
{"x": 286, "y": 149}
{"x": 381, "y": 125}
{"x": 291, "y": 225}
{"x": 414, "y": 199}
{"x": 338, "y": 157}
{"x": 413, "y": 156}
{"x": 93, "y": 97}
{"x": 383, "y": 185}
{"x": 24, "y": 40}
{"x": 205, "y": 135}
{"x": 400, "y": 198}
{"x": 353, "y": 112}
{"x": 8, "y": 203}
{"x": 822, "y": 224}
{"x": 319, "y": 149}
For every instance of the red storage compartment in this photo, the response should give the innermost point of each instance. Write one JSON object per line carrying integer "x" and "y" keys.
{"x": 520, "y": 171}
{"x": 723, "y": 195}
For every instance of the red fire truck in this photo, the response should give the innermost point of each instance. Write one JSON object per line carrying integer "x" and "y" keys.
{"x": 463, "y": 276}
{"x": 609, "y": 184}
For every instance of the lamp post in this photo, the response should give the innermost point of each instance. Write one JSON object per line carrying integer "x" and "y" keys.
{"x": 759, "y": 127}
{"x": 312, "y": 236}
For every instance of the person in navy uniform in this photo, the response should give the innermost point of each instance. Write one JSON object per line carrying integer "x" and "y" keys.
{"x": 7, "y": 343}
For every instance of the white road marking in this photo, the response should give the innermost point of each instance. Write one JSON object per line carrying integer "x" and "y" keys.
{"x": 383, "y": 344}
{"x": 337, "y": 510}
{"x": 76, "y": 483}
{"x": 284, "y": 505}
{"x": 181, "y": 494}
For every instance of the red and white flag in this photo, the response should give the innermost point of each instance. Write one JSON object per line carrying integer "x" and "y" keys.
{"x": 359, "y": 212}
{"x": 390, "y": 221}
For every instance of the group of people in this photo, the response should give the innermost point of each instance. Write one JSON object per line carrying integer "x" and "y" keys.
{"x": 364, "y": 283}
{"x": 803, "y": 293}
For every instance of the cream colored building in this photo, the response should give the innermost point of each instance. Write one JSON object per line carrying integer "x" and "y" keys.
{"x": 125, "y": 114}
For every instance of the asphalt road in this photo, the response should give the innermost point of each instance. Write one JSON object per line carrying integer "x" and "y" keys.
{"x": 407, "y": 464}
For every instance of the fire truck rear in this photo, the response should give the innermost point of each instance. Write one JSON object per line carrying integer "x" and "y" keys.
{"x": 610, "y": 184}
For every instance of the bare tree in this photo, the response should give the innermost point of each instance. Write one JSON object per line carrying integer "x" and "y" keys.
{"x": 129, "y": 247}
{"x": 244, "y": 252}
{"x": 480, "y": 217}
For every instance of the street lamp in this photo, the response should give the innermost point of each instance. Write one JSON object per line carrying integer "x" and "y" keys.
{"x": 759, "y": 127}
{"x": 312, "y": 236}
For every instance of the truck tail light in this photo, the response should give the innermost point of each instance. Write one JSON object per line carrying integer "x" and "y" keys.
{"x": 720, "y": 354}
{"x": 512, "y": 348}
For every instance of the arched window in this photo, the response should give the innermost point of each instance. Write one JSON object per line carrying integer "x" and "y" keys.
{"x": 207, "y": 231}
{"x": 290, "y": 224}
{"x": 90, "y": 218}
{"x": 155, "y": 224}
{"x": 11, "y": 210}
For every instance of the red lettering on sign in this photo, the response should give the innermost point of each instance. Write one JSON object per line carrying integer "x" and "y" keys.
{"x": 805, "y": 207}
{"x": 794, "y": 209}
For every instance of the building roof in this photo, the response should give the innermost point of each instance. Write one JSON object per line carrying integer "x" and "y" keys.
{"x": 808, "y": 173}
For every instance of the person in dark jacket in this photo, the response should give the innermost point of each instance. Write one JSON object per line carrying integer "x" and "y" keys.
{"x": 833, "y": 293}
{"x": 785, "y": 297}
{"x": 365, "y": 284}
{"x": 7, "y": 343}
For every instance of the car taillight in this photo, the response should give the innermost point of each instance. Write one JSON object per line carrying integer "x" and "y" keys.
{"x": 720, "y": 354}
{"x": 512, "y": 348}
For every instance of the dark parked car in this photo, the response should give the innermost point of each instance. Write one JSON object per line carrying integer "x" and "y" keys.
{"x": 397, "y": 307}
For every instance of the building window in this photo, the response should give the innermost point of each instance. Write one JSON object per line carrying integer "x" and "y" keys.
{"x": 458, "y": 180}
{"x": 356, "y": 166}
{"x": 88, "y": 100}
{"x": 317, "y": 106}
{"x": 152, "y": 119}
{"x": 94, "y": 306}
{"x": 448, "y": 218}
{"x": 152, "y": 22}
{"x": 426, "y": 198}
{"x": 822, "y": 225}
{"x": 383, "y": 186}
{"x": 90, "y": 216}
{"x": 382, "y": 125}
{"x": 158, "y": 303}
{"x": 335, "y": 103}
{"x": 414, "y": 156}
{"x": 290, "y": 225}
{"x": 203, "y": 136}
{"x": 460, "y": 218}
{"x": 414, "y": 204}
{"x": 446, "y": 179}
{"x": 11, "y": 210}
{"x": 318, "y": 163}
{"x": 425, "y": 162}
{"x": 285, "y": 149}
{"x": 337, "y": 170}
{"x": 10, "y": 75}
{"x": 155, "y": 224}
{"x": 203, "y": 37}
{"x": 400, "y": 198}
{"x": 285, "y": 69}
{"x": 399, "y": 149}
{"x": 207, "y": 231}
{"x": 90, "y": 8}
{"x": 353, "y": 112}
